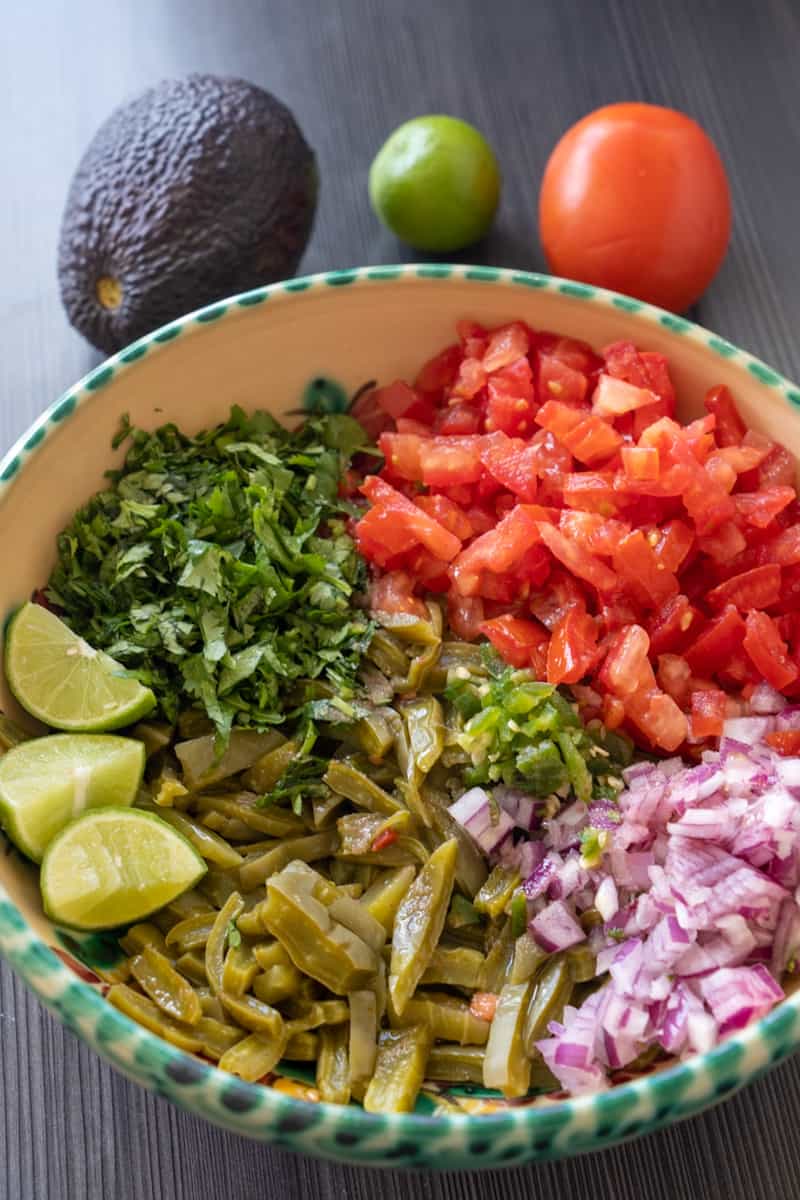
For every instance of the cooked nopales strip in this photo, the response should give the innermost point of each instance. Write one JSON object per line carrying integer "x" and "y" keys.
{"x": 347, "y": 918}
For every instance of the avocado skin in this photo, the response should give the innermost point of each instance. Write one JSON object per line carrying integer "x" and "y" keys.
{"x": 199, "y": 188}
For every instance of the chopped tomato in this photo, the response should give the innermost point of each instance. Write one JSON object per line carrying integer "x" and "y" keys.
{"x": 511, "y": 400}
{"x": 573, "y": 647}
{"x": 408, "y": 518}
{"x": 401, "y": 452}
{"x": 708, "y": 713}
{"x": 557, "y": 380}
{"x": 640, "y": 462}
{"x": 768, "y": 651}
{"x": 592, "y": 491}
{"x": 761, "y": 508}
{"x": 465, "y": 615}
{"x": 671, "y": 544}
{"x": 778, "y": 469}
{"x": 506, "y": 345}
{"x": 721, "y": 638}
{"x": 730, "y": 428}
{"x": 544, "y": 488}
{"x": 448, "y": 461}
{"x": 673, "y": 626}
{"x": 674, "y": 677}
{"x": 512, "y": 463}
{"x": 626, "y": 669}
{"x": 613, "y": 397}
{"x": 563, "y": 592}
{"x": 643, "y": 574}
{"x": 520, "y": 642}
{"x": 577, "y": 560}
{"x": 470, "y": 379}
{"x": 448, "y": 514}
{"x": 785, "y": 741}
{"x": 500, "y": 549}
{"x": 598, "y": 535}
{"x": 483, "y": 1005}
{"x": 393, "y": 592}
{"x": 400, "y": 400}
{"x": 385, "y": 838}
{"x": 439, "y": 372}
{"x": 758, "y": 588}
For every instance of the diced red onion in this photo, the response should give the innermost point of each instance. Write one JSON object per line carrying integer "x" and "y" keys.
{"x": 606, "y": 899}
{"x": 555, "y": 928}
{"x": 747, "y": 729}
{"x": 539, "y": 881}
{"x": 788, "y": 771}
{"x": 473, "y": 811}
{"x": 738, "y": 995}
{"x": 519, "y": 805}
{"x": 765, "y": 700}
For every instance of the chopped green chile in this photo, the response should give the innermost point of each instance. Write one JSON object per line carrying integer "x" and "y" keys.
{"x": 277, "y": 983}
{"x": 321, "y": 1012}
{"x": 317, "y": 944}
{"x": 165, "y": 986}
{"x": 448, "y": 1017}
{"x": 242, "y": 806}
{"x": 144, "y": 934}
{"x": 454, "y": 966}
{"x": 156, "y": 735}
{"x": 382, "y": 898}
{"x": 582, "y": 964}
{"x": 519, "y": 913}
{"x": 399, "y": 1070}
{"x": 142, "y": 1009}
{"x": 506, "y": 1065}
{"x": 202, "y": 767}
{"x": 453, "y": 1063}
{"x": 550, "y": 994}
{"x": 499, "y": 961}
{"x": 265, "y": 772}
{"x": 374, "y": 735}
{"x": 363, "y": 1037}
{"x": 191, "y": 933}
{"x": 253, "y": 1014}
{"x": 528, "y": 958}
{"x": 333, "y": 1065}
{"x": 254, "y": 1056}
{"x": 212, "y": 847}
{"x": 217, "y": 940}
{"x": 497, "y": 891}
{"x": 346, "y": 780}
{"x": 193, "y": 966}
{"x": 307, "y": 849}
{"x": 239, "y": 969}
{"x": 425, "y": 725}
{"x": 419, "y": 923}
{"x": 217, "y": 1037}
{"x": 302, "y": 1047}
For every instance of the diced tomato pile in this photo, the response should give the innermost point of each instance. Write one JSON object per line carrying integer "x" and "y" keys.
{"x": 550, "y": 494}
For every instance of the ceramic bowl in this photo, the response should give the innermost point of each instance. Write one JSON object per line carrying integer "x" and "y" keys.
{"x": 310, "y": 343}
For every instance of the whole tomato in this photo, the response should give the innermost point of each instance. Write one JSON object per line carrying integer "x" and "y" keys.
{"x": 635, "y": 198}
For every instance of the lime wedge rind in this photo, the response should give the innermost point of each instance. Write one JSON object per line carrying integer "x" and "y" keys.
{"x": 113, "y": 866}
{"x": 48, "y": 781}
{"x": 63, "y": 682}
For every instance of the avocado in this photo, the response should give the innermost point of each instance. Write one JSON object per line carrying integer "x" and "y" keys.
{"x": 198, "y": 188}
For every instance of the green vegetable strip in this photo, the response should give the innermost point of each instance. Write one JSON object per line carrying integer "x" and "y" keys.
{"x": 399, "y": 1070}
{"x": 333, "y": 1067}
{"x": 419, "y": 922}
{"x": 217, "y": 940}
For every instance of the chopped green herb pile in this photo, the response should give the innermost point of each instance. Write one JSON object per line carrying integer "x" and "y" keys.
{"x": 218, "y": 568}
{"x": 519, "y": 731}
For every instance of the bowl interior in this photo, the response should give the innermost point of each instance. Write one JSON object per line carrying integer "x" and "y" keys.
{"x": 314, "y": 343}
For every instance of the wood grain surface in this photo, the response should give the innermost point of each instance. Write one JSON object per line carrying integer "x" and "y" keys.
{"x": 351, "y": 70}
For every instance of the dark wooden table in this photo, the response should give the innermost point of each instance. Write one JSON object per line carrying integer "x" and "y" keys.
{"x": 352, "y": 70}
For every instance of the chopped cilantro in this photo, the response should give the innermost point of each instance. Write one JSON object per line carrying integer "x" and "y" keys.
{"x": 217, "y": 568}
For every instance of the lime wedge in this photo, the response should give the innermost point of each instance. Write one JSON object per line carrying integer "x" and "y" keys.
{"x": 113, "y": 866}
{"x": 60, "y": 679}
{"x": 47, "y": 781}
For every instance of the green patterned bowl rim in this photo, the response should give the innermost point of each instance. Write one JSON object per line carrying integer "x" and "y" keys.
{"x": 511, "y": 1135}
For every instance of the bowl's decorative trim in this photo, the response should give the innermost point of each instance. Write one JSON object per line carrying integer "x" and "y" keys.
{"x": 514, "y": 1134}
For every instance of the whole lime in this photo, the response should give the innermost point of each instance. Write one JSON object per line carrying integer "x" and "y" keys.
{"x": 435, "y": 183}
